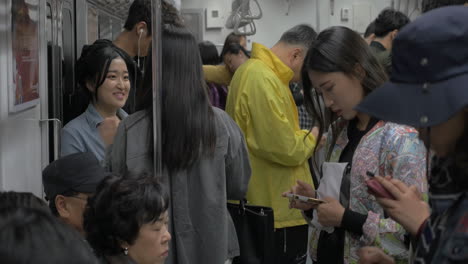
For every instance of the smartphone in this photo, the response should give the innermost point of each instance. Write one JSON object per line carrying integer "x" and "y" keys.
{"x": 304, "y": 199}
{"x": 375, "y": 188}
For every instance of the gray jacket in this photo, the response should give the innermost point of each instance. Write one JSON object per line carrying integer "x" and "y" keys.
{"x": 201, "y": 227}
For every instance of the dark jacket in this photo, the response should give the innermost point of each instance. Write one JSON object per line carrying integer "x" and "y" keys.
{"x": 444, "y": 238}
{"x": 383, "y": 55}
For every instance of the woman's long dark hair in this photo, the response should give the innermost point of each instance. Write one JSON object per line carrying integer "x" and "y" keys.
{"x": 188, "y": 125}
{"x": 338, "y": 49}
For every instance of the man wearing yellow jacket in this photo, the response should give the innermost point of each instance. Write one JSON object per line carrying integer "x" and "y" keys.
{"x": 261, "y": 103}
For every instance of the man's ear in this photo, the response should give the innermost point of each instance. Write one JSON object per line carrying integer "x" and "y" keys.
{"x": 62, "y": 207}
{"x": 141, "y": 29}
{"x": 294, "y": 55}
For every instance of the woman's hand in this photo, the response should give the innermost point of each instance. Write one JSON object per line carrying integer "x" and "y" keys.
{"x": 330, "y": 213}
{"x": 304, "y": 189}
{"x": 408, "y": 208}
{"x": 373, "y": 255}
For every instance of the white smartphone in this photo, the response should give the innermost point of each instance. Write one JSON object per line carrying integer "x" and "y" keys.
{"x": 304, "y": 199}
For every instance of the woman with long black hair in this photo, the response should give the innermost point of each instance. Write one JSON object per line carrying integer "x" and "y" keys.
{"x": 204, "y": 157}
{"x": 342, "y": 71}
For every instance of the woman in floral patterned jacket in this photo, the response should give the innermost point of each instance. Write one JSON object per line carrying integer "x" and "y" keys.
{"x": 342, "y": 71}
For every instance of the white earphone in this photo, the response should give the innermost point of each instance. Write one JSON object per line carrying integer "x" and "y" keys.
{"x": 142, "y": 31}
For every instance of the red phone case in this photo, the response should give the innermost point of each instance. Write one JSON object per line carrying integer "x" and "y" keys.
{"x": 375, "y": 188}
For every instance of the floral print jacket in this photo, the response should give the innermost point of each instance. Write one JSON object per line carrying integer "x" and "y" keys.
{"x": 387, "y": 149}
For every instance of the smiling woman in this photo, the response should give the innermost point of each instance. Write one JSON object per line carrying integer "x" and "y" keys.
{"x": 103, "y": 76}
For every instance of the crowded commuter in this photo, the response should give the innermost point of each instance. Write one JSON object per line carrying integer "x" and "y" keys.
{"x": 428, "y": 5}
{"x": 205, "y": 159}
{"x": 126, "y": 221}
{"x": 68, "y": 183}
{"x": 12, "y": 200}
{"x": 235, "y": 55}
{"x": 209, "y": 53}
{"x": 387, "y": 25}
{"x": 233, "y": 38}
{"x": 30, "y": 234}
{"x": 369, "y": 35}
{"x": 428, "y": 90}
{"x": 305, "y": 119}
{"x": 261, "y": 103}
{"x": 135, "y": 40}
{"x": 103, "y": 76}
{"x": 222, "y": 74}
{"x": 343, "y": 71}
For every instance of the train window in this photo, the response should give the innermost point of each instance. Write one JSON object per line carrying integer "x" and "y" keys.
{"x": 92, "y": 25}
{"x": 104, "y": 26}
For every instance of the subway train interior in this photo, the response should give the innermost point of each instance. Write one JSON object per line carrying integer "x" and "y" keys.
{"x": 48, "y": 36}
{"x": 42, "y": 40}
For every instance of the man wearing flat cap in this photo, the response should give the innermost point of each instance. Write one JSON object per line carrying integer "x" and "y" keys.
{"x": 68, "y": 183}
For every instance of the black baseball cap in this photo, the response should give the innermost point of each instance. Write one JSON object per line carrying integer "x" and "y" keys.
{"x": 429, "y": 82}
{"x": 79, "y": 172}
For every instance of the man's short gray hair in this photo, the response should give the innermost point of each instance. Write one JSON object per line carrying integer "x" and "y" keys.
{"x": 299, "y": 35}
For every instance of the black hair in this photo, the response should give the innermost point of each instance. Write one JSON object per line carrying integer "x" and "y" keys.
{"x": 94, "y": 63}
{"x": 299, "y": 35}
{"x": 139, "y": 11}
{"x": 32, "y": 235}
{"x": 338, "y": 49}
{"x": 370, "y": 29}
{"x": 209, "y": 53}
{"x": 12, "y": 200}
{"x": 231, "y": 38}
{"x": 187, "y": 118}
{"x": 235, "y": 48}
{"x": 388, "y": 21}
{"x": 119, "y": 208}
{"x": 428, "y": 5}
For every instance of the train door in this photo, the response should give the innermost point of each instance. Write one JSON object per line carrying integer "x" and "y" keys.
{"x": 54, "y": 75}
{"x": 62, "y": 106}
{"x": 23, "y": 95}
{"x": 72, "y": 103}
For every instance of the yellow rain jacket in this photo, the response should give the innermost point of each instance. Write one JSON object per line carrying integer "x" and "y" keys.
{"x": 261, "y": 103}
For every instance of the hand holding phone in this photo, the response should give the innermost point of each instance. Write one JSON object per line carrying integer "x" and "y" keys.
{"x": 304, "y": 199}
{"x": 375, "y": 188}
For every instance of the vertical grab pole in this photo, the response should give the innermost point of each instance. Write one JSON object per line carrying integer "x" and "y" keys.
{"x": 156, "y": 25}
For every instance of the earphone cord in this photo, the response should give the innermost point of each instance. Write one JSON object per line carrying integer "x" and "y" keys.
{"x": 138, "y": 54}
